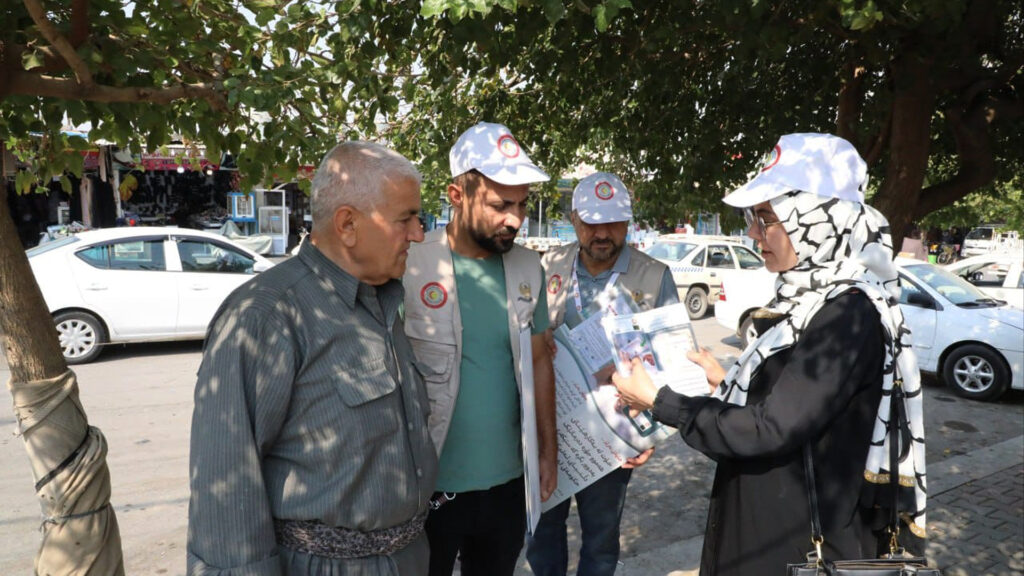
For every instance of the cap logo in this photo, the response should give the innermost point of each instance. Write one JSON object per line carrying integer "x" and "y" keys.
{"x": 508, "y": 146}
{"x": 555, "y": 284}
{"x": 433, "y": 295}
{"x": 772, "y": 158}
{"x": 604, "y": 191}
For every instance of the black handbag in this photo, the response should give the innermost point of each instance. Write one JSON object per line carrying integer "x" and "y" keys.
{"x": 897, "y": 562}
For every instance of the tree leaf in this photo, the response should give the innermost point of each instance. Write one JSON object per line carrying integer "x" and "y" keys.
{"x": 31, "y": 59}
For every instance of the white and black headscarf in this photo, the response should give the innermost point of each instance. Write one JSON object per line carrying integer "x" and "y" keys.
{"x": 843, "y": 245}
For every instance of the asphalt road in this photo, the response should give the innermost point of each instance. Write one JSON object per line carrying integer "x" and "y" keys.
{"x": 141, "y": 397}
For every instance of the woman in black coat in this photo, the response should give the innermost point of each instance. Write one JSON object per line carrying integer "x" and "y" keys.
{"x": 820, "y": 373}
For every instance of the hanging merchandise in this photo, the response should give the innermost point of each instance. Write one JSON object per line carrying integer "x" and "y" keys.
{"x": 86, "y": 192}
{"x": 128, "y": 186}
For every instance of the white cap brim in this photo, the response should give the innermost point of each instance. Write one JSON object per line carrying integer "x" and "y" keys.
{"x": 514, "y": 175}
{"x": 754, "y": 192}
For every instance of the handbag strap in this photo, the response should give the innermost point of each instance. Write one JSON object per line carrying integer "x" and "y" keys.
{"x": 897, "y": 416}
{"x": 812, "y": 498}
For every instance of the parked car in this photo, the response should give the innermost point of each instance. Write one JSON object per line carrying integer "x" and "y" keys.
{"x": 740, "y": 295}
{"x": 998, "y": 274}
{"x": 120, "y": 285}
{"x": 973, "y": 342}
{"x": 697, "y": 262}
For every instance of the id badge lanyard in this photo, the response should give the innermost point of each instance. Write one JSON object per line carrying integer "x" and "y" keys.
{"x": 576, "y": 286}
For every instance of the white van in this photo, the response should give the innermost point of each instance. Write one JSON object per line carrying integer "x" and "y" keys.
{"x": 979, "y": 241}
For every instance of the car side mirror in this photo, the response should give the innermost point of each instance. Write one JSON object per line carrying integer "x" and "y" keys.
{"x": 920, "y": 299}
{"x": 261, "y": 266}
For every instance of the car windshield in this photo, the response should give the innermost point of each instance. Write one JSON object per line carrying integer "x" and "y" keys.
{"x": 674, "y": 251}
{"x": 979, "y": 234}
{"x": 954, "y": 288}
{"x": 51, "y": 245}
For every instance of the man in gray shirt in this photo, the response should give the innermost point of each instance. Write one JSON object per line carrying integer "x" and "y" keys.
{"x": 310, "y": 452}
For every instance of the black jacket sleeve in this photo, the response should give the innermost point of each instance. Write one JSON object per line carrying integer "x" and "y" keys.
{"x": 832, "y": 360}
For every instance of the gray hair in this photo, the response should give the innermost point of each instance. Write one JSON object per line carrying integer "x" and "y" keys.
{"x": 351, "y": 175}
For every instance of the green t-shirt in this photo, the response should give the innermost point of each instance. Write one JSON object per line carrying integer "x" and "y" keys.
{"x": 482, "y": 449}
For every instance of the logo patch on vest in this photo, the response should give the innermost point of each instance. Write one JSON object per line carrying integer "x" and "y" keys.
{"x": 555, "y": 284}
{"x": 433, "y": 295}
{"x": 637, "y": 296}
{"x": 525, "y": 293}
{"x": 604, "y": 191}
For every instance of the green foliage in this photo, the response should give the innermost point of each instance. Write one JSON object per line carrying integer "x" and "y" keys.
{"x": 679, "y": 97}
{"x": 1001, "y": 203}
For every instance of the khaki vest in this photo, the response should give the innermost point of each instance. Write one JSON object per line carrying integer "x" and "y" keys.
{"x": 433, "y": 322}
{"x": 642, "y": 279}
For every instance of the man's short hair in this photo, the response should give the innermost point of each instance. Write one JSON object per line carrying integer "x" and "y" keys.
{"x": 469, "y": 182}
{"x": 351, "y": 175}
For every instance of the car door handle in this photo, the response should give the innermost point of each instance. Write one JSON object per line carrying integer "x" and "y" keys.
{"x": 199, "y": 287}
{"x": 714, "y": 274}
{"x": 96, "y": 287}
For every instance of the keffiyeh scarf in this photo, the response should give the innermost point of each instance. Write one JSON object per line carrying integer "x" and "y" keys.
{"x": 842, "y": 246}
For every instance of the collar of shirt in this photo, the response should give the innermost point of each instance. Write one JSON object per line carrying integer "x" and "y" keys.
{"x": 347, "y": 287}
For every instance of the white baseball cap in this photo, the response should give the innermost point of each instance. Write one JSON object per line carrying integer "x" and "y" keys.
{"x": 492, "y": 150}
{"x": 600, "y": 198}
{"x": 821, "y": 164}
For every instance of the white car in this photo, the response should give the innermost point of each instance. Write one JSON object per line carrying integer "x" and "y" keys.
{"x": 998, "y": 274}
{"x": 972, "y": 341}
{"x": 740, "y": 295}
{"x": 698, "y": 262}
{"x": 121, "y": 285}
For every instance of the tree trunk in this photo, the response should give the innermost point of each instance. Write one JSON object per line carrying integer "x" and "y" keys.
{"x": 913, "y": 103}
{"x": 29, "y": 337}
{"x": 67, "y": 456}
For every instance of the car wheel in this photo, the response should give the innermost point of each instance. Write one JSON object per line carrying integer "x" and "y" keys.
{"x": 82, "y": 336}
{"x": 976, "y": 372}
{"x": 696, "y": 302}
{"x": 747, "y": 332}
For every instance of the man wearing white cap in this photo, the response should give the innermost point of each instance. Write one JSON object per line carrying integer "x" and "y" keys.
{"x": 471, "y": 293}
{"x": 577, "y": 274}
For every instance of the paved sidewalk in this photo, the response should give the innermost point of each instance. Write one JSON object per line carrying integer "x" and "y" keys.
{"x": 975, "y": 520}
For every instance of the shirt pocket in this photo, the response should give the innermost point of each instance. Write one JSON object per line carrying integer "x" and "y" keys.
{"x": 368, "y": 393}
{"x": 436, "y": 362}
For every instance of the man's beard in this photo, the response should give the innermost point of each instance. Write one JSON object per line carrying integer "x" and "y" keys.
{"x": 492, "y": 243}
{"x": 605, "y": 255}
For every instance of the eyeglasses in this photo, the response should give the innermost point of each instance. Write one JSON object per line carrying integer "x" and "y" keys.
{"x": 756, "y": 221}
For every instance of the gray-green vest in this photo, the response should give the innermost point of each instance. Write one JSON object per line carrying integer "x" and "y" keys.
{"x": 433, "y": 322}
{"x": 642, "y": 279}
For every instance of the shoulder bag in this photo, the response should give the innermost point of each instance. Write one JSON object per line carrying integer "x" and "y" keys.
{"x": 897, "y": 562}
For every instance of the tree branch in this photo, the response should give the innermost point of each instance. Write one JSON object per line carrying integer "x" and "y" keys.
{"x": 851, "y": 95}
{"x": 880, "y": 141}
{"x": 67, "y": 89}
{"x": 974, "y": 149}
{"x": 79, "y": 22}
{"x": 59, "y": 42}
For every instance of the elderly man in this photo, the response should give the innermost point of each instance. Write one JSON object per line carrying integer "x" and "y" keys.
{"x": 578, "y": 273}
{"x": 471, "y": 293}
{"x": 310, "y": 449}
